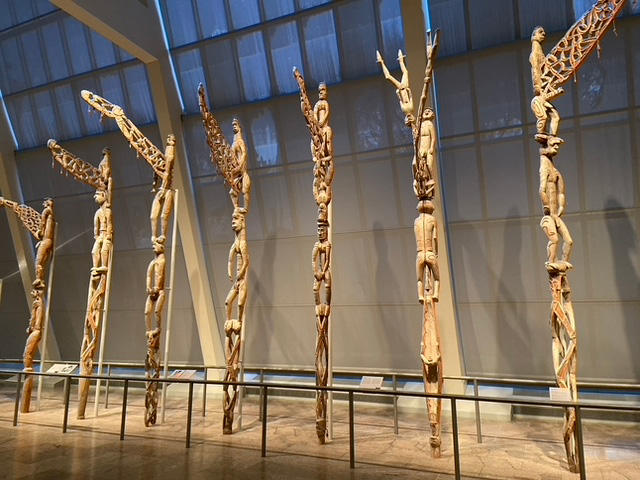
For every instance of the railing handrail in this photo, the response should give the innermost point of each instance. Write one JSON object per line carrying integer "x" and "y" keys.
{"x": 347, "y": 390}
{"x": 397, "y": 374}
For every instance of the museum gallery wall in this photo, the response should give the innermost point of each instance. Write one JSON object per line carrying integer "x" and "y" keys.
{"x": 489, "y": 165}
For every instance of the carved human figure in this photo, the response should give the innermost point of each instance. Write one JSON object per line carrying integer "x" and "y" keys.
{"x": 552, "y": 195}
{"x": 545, "y": 113}
{"x": 155, "y": 289}
{"x": 425, "y": 229}
{"x": 402, "y": 87}
{"x": 423, "y": 167}
{"x": 238, "y": 261}
{"x": 162, "y": 205}
{"x": 44, "y": 247}
{"x": 322, "y": 114}
{"x": 321, "y": 260}
{"x": 102, "y": 233}
{"x": 34, "y": 330}
{"x": 241, "y": 179}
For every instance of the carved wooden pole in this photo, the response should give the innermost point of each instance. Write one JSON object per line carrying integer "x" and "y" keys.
{"x": 231, "y": 161}
{"x": 42, "y": 227}
{"x": 425, "y": 229}
{"x": 317, "y": 119}
{"x": 161, "y": 209}
{"x": 548, "y": 73}
{"x": 100, "y": 178}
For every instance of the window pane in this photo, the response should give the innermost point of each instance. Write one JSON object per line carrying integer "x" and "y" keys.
{"x": 285, "y": 54}
{"x": 52, "y": 38}
{"x": 43, "y": 6}
{"x": 244, "y": 13}
{"x": 12, "y": 71}
{"x": 491, "y": 22}
{"x": 391, "y": 24}
{"x": 69, "y": 122}
{"x": 23, "y": 121}
{"x": 23, "y": 10}
{"x": 277, "y": 8}
{"x": 358, "y": 38}
{"x": 182, "y": 25}
{"x": 46, "y": 116}
{"x": 142, "y": 110}
{"x": 213, "y": 18}
{"x": 265, "y": 139}
{"x": 371, "y": 129}
{"x": 550, "y": 14}
{"x": 191, "y": 74}
{"x": 322, "y": 48}
{"x": 77, "y": 43}
{"x": 448, "y": 15}
{"x": 103, "y": 51}
{"x": 311, "y": 3}
{"x": 35, "y": 63}
{"x": 225, "y": 89}
{"x": 253, "y": 66}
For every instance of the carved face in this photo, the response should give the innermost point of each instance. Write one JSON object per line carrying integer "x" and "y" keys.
{"x": 47, "y": 203}
{"x": 323, "y": 232}
{"x": 158, "y": 247}
{"x": 553, "y": 145}
{"x": 100, "y": 197}
{"x": 538, "y": 34}
{"x": 235, "y": 125}
{"x": 237, "y": 221}
{"x": 322, "y": 91}
{"x": 428, "y": 114}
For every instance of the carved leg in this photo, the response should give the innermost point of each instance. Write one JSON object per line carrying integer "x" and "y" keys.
{"x": 565, "y": 357}
{"x": 233, "y": 344}
{"x": 322, "y": 373}
{"x": 152, "y": 368}
{"x": 432, "y": 373}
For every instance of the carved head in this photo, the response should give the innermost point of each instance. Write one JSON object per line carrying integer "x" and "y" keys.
{"x": 235, "y": 124}
{"x": 323, "y": 231}
{"x": 322, "y": 91}
{"x": 428, "y": 114}
{"x": 553, "y": 146}
{"x": 100, "y": 196}
{"x": 237, "y": 219}
{"x": 171, "y": 139}
{"x": 158, "y": 245}
{"x": 538, "y": 34}
{"x": 425, "y": 206}
{"x": 48, "y": 202}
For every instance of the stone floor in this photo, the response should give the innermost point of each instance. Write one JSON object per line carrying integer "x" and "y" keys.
{"x": 519, "y": 449}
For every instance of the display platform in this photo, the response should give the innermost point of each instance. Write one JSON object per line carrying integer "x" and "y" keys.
{"x": 523, "y": 448}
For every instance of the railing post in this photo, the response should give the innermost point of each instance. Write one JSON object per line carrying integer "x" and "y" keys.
{"x": 395, "y": 405}
{"x": 124, "y": 407}
{"x": 67, "y": 390}
{"x": 261, "y": 413}
{"x": 264, "y": 420}
{"x": 580, "y": 439}
{"x": 106, "y": 393}
{"x": 189, "y": 412}
{"x": 17, "y": 407}
{"x": 456, "y": 446}
{"x": 204, "y": 392}
{"x": 478, "y": 421}
{"x": 352, "y": 438}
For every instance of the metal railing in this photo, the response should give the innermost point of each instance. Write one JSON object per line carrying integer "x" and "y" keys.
{"x": 393, "y": 376}
{"x": 351, "y": 392}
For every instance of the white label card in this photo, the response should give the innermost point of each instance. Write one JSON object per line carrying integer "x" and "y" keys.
{"x": 372, "y": 383}
{"x": 62, "y": 368}
{"x": 557, "y": 394}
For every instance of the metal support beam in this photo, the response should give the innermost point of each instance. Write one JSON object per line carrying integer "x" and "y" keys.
{"x": 10, "y": 188}
{"x": 139, "y": 32}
